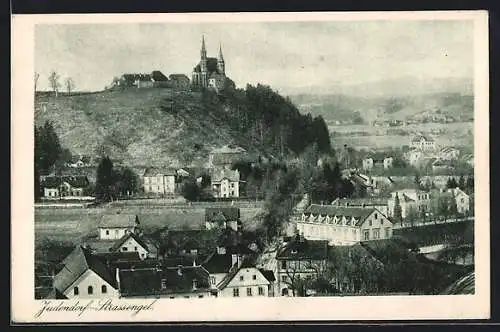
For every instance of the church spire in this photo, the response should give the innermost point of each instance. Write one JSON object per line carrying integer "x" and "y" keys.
{"x": 203, "y": 49}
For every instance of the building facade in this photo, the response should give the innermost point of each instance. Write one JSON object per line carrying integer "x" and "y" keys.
{"x": 159, "y": 181}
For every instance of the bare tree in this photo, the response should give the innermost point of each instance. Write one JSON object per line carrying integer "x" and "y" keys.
{"x": 37, "y": 76}
{"x": 70, "y": 85}
{"x": 54, "y": 82}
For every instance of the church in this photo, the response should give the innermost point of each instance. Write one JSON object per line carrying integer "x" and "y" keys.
{"x": 209, "y": 72}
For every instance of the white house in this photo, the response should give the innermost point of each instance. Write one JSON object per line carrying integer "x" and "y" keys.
{"x": 343, "y": 225}
{"x": 410, "y": 200}
{"x": 116, "y": 226}
{"x": 247, "y": 281}
{"x": 58, "y": 187}
{"x": 461, "y": 200}
{"x": 159, "y": 181}
{"x": 85, "y": 277}
{"x": 218, "y": 265}
{"x": 132, "y": 243}
{"x": 225, "y": 183}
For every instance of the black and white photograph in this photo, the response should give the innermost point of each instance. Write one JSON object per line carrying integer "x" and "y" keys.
{"x": 236, "y": 160}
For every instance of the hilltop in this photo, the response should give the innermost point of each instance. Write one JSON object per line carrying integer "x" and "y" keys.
{"x": 163, "y": 126}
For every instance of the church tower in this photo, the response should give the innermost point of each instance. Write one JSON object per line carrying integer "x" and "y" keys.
{"x": 220, "y": 62}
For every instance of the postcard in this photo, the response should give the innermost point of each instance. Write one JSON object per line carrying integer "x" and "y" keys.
{"x": 250, "y": 167}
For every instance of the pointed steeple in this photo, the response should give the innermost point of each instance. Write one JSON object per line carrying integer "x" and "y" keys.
{"x": 203, "y": 49}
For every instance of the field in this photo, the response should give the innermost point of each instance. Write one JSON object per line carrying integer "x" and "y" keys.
{"x": 71, "y": 224}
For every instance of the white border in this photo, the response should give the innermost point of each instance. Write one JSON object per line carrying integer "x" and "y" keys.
{"x": 269, "y": 309}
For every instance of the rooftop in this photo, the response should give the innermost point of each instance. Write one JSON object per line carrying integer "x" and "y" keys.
{"x": 302, "y": 249}
{"x": 119, "y": 220}
{"x": 159, "y": 171}
{"x": 349, "y": 212}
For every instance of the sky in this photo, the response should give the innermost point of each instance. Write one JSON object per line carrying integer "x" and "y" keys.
{"x": 289, "y": 56}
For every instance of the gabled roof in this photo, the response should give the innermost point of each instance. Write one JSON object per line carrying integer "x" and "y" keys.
{"x": 160, "y": 171}
{"x": 329, "y": 210}
{"x": 76, "y": 264}
{"x": 118, "y": 220}
{"x": 213, "y": 214}
{"x": 418, "y": 138}
{"x": 121, "y": 241}
{"x": 268, "y": 274}
{"x": 178, "y": 76}
{"x": 303, "y": 249}
{"x": 218, "y": 263}
{"x": 219, "y": 175}
{"x": 158, "y": 76}
{"x": 76, "y": 181}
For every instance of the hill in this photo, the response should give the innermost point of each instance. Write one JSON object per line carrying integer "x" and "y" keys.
{"x": 160, "y": 126}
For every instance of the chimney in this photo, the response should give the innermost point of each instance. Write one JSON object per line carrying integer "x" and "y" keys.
{"x": 234, "y": 259}
{"x": 118, "y": 278}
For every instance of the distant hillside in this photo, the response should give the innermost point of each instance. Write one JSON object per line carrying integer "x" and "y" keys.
{"x": 168, "y": 127}
{"x": 344, "y": 107}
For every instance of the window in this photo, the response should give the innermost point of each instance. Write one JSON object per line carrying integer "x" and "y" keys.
{"x": 369, "y": 222}
{"x": 212, "y": 280}
{"x": 124, "y": 248}
{"x": 116, "y": 232}
{"x": 135, "y": 248}
{"x": 283, "y": 265}
{"x": 241, "y": 278}
{"x": 104, "y": 289}
{"x": 107, "y": 232}
{"x": 249, "y": 291}
{"x": 381, "y": 221}
{"x": 376, "y": 233}
{"x": 261, "y": 291}
{"x": 387, "y": 232}
{"x": 254, "y": 277}
{"x": 376, "y": 216}
{"x": 366, "y": 235}
{"x": 236, "y": 292}
{"x": 172, "y": 297}
{"x": 283, "y": 278}
{"x": 90, "y": 290}
{"x": 200, "y": 296}
{"x": 163, "y": 283}
{"x": 76, "y": 291}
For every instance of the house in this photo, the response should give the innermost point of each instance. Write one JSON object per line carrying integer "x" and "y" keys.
{"x": 411, "y": 201}
{"x": 80, "y": 161}
{"x": 218, "y": 265}
{"x": 144, "y": 81}
{"x": 441, "y": 165}
{"x": 225, "y": 183}
{"x": 164, "y": 282}
{"x": 341, "y": 225}
{"x": 368, "y": 202}
{"x": 179, "y": 81}
{"x": 423, "y": 143}
{"x": 299, "y": 258}
{"x": 225, "y": 156}
{"x": 116, "y": 226}
{"x": 462, "y": 200}
{"x": 449, "y": 153}
{"x": 377, "y": 160}
{"x": 414, "y": 157}
{"x": 85, "y": 276}
{"x": 245, "y": 280}
{"x": 222, "y": 217}
{"x": 159, "y": 181}
{"x": 132, "y": 243}
{"x": 64, "y": 187}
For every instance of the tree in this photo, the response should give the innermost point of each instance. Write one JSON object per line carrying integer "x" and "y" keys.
{"x": 70, "y": 85}
{"x": 461, "y": 182}
{"x": 105, "y": 181}
{"x": 451, "y": 183}
{"x": 54, "y": 82}
{"x": 49, "y": 145}
{"x": 469, "y": 185}
{"x": 190, "y": 190}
